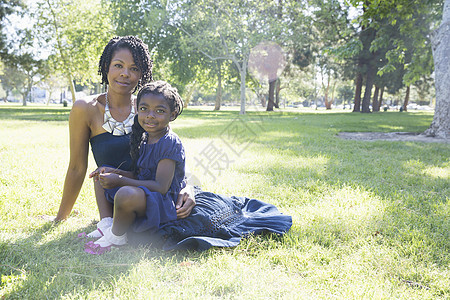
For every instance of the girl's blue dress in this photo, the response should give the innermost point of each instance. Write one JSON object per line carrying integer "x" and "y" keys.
{"x": 160, "y": 208}
{"x": 216, "y": 220}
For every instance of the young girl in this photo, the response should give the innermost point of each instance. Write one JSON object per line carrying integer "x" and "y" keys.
{"x": 146, "y": 197}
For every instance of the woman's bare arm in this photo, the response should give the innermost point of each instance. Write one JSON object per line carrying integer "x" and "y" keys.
{"x": 79, "y": 133}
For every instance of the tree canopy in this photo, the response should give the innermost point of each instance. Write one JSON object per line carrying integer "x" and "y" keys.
{"x": 206, "y": 45}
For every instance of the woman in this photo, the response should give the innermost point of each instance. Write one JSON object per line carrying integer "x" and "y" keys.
{"x": 106, "y": 121}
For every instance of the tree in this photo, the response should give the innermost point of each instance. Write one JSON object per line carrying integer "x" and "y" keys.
{"x": 294, "y": 30}
{"x": 331, "y": 24}
{"x": 219, "y": 86}
{"x": 50, "y": 83}
{"x": 224, "y": 30}
{"x": 345, "y": 92}
{"x": 75, "y": 32}
{"x": 13, "y": 81}
{"x": 145, "y": 19}
{"x": 407, "y": 49}
{"x": 7, "y": 7}
{"x": 28, "y": 70}
{"x": 300, "y": 47}
{"x": 364, "y": 57}
{"x": 399, "y": 37}
{"x": 21, "y": 59}
{"x": 174, "y": 60}
{"x": 417, "y": 19}
{"x": 440, "y": 125}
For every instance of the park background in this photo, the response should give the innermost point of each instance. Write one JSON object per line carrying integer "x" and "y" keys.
{"x": 370, "y": 218}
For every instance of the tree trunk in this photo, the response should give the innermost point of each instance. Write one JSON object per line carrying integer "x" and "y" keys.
{"x": 219, "y": 86}
{"x": 262, "y": 99}
{"x": 49, "y": 96}
{"x": 380, "y": 102}
{"x": 367, "y": 59}
{"x": 277, "y": 82}
{"x": 98, "y": 88}
{"x": 271, "y": 95}
{"x": 405, "y": 103}
{"x": 243, "y": 72}
{"x": 358, "y": 88}
{"x": 72, "y": 88}
{"x": 327, "y": 89}
{"x": 277, "y": 93}
{"x": 333, "y": 89}
{"x": 190, "y": 91}
{"x": 371, "y": 73}
{"x": 27, "y": 93}
{"x": 375, "y": 106}
{"x": 440, "y": 126}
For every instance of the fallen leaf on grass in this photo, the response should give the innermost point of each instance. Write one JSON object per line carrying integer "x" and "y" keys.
{"x": 187, "y": 263}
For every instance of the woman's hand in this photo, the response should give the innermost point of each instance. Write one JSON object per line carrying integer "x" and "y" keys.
{"x": 185, "y": 203}
{"x": 109, "y": 180}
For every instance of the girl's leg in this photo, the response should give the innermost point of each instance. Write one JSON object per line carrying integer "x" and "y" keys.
{"x": 129, "y": 203}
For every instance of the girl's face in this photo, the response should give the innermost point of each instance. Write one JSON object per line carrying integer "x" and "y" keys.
{"x": 154, "y": 114}
{"x": 123, "y": 73}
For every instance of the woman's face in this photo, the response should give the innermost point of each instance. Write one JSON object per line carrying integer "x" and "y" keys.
{"x": 123, "y": 73}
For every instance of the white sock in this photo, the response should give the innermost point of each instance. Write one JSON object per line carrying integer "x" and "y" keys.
{"x": 110, "y": 239}
{"x": 101, "y": 227}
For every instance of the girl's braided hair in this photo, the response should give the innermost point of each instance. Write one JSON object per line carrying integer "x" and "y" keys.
{"x": 138, "y": 134}
{"x": 140, "y": 53}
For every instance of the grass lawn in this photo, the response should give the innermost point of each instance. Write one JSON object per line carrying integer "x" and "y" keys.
{"x": 370, "y": 219}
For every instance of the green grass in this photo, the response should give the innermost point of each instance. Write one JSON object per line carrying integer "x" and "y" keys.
{"x": 371, "y": 219}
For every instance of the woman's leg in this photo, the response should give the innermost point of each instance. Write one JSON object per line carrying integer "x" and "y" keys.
{"x": 105, "y": 208}
{"x": 129, "y": 203}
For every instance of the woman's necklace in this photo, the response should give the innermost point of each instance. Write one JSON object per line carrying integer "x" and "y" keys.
{"x": 116, "y": 127}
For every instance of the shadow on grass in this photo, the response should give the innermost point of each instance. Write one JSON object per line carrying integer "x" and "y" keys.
{"x": 384, "y": 122}
{"x": 42, "y": 267}
{"x": 373, "y": 195}
{"x": 409, "y": 177}
{"x": 404, "y": 176}
{"x": 34, "y": 113}
{"x": 62, "y": 114}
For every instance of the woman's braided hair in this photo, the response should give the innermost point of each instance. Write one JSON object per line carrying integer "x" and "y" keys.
{"x": 138, "y": 49}
{"x": 138, "y": 134}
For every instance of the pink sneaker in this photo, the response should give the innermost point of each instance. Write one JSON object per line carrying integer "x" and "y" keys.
{"x": 92, "y": 248}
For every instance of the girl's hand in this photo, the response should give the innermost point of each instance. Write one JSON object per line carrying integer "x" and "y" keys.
{"x": 101, "y": 170}
{"x": 109, "y": 180}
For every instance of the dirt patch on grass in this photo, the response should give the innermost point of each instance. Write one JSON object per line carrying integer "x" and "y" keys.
{"x": 391, "y": 136}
